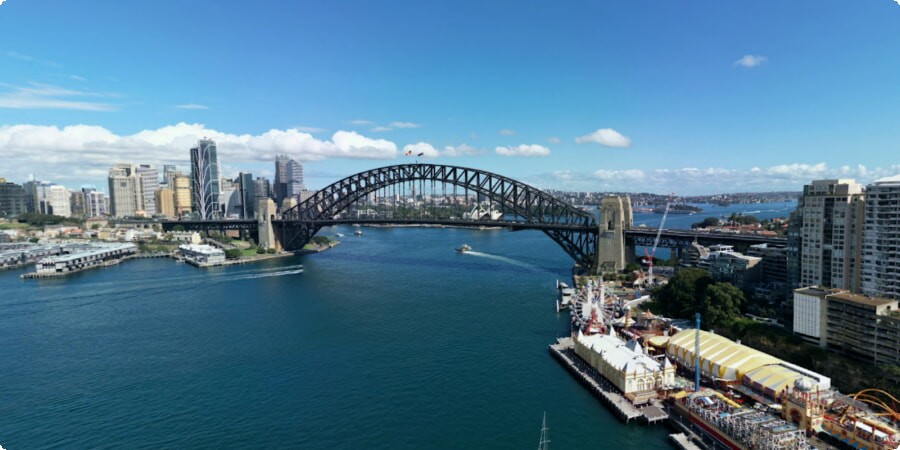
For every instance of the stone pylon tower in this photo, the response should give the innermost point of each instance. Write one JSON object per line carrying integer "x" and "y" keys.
{"x": 615, "y": 218}
{"x": 265, "y": 212}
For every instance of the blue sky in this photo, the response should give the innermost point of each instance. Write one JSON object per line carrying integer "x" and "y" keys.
{"x": 686, "y": 97}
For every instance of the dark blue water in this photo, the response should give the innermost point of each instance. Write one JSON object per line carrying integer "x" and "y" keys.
{"x": 390, "y": 340}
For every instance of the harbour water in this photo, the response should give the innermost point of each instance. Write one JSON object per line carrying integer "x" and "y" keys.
{"x": 389, "y": 340}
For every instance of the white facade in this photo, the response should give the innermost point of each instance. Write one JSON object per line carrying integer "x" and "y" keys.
{"x": 202, "y": 255}
{"x": 809, "y": 313}
{"x": 624, "y": 363}
{"x": 191, "y": 237}
{"x": 881, "y": 239}
{"x": 94, "y": 256}
{"x": 149, "y": 183}
{"x": 53, "y": 199}
{"x": 124, "y": 191}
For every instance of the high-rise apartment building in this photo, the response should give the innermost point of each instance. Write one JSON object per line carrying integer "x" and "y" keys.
{"x": 149, "y": 180}
{"x": 169, "y": 172}
{"x": 205, "y": 180}
{"x": 288, "y": 178}
{"x": 165, "y": 202}
{"x": 53, "y": 199}
{"x": 76, "y": 204}
{"x": 13, "y": 199}
{"x": 181, "y": 185}
{"x": 94, "y": 202}
{"x": 881, "y": 239}
{"x": 830, "y": 214}
{"x": 124, "y": 190}
{"x": 262, "y": 188}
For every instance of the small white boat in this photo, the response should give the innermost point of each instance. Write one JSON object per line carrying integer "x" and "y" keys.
{"x": 357, "y": 233}
{"x": 339, "y": 235}
{"x": 464, "y": 248}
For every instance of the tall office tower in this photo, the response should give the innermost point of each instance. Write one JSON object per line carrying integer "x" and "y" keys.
{"x": 247, "y": 188}
{"x": 262, "y": 188}
{"x": 94, "y": 202}
{"x": 53, "y": 199}
{"x": 165, "y": 202}
{"x": 13, "y": 199}
{"x": 182, "y": 191}
{"x": 124, "y": 191}
{"x": 205, "y": 180}
{"x": 881, "y": 239}
{"x": 76, "y": 204}
{"x": 169, "y": 172}
{"x": 149, "y": 183}
{"x": 831, "y": 214}
{"x": 288, "y": 178}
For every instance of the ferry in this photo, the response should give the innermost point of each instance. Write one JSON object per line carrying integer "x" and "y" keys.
{"x": 463, "y": 248}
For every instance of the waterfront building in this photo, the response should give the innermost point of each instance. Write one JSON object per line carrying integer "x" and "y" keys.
{"x": 830, "y": 213}
{"x": 205, "y": 180}
{"x": 881, "y": 239}
{"x": 190, "y": 237}
{"x": 93, "y": 256}
{"x": 741, "y": 367}
{"x": 149, "y": 184}
{"x": 13, "y": 199}
{"x": 288, "y": 178}
{"x": 202, "y": 255}
{"x": 181, "y": 185}
{"x": 624, "y": 364}
{"x": 22, "y": 254}
{"x": 124, "y": 191}
{"x": 165, "y": 202}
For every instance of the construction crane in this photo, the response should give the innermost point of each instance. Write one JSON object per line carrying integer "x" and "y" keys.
{"x": 648, "y": 258}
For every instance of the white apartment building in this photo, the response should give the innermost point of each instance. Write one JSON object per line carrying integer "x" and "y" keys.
{"x": 881, "y": 239}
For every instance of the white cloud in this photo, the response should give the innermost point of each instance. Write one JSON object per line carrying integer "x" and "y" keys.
{"x": 423, "y": 148}
{"x": 45, "y": 96}
{"x": 750, "y": 61}
{"x": 709, "y": 180}
{"x": 361, "y": 122}
{"x": 31, "y": 59}
{"x": 53, "y": 152}
{"x": 78, "y": 78}
{"x": 460, "y": 150}
{"x": 605, "y": 136}
{"x": 191, "y": 106}
{"x": 506, "y": 132}
{"x": 553, "y": 140}
{"x": 405, "y": 125}
{"x": 523, "y": 150}
{"x": 380, "y": 129}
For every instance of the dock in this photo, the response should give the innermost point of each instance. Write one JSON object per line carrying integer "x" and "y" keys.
{"x": 564, "y": 352}
{"x": 683, "y": 442}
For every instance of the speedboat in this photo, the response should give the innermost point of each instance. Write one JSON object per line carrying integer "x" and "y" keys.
{"x": 464, "y": 248}
{"x": 339, "y": 235}
{"x": 357, "y": 233}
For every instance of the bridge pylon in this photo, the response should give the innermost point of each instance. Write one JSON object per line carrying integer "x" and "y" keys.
{"x": 615, "y": 217}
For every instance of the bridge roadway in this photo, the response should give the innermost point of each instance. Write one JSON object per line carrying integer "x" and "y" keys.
{"x": 251, "y": 225}
{"x": 684, "y": 238}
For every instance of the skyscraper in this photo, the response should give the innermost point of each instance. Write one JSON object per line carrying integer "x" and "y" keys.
{"x": 53, "y": 199}
{"x": 124, "y": 190}
{"x": 830, "y": 214}
{"x": 76, "y": 204}
{"x": 165, "y": 202}
{"x": 13, "y": 199}
{"x": 169, "y": 172}
{"x": 205, "y": 180}
{"x": 288, "y": 178}
{"x": 881, "y": 239}
{"x": 149, "y": 183}
{"x": 94, "y": 202}
{"x": 182, "y": 187}
{"x": 247, "y": 186}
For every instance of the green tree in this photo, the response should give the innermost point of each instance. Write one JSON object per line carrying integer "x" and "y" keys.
{"x": 178, "y": 228}
{"x": 233, "y": 253}
{"x": 722, "y": 303}
{"x": 681, "y": 297}
{"x": 706, "y": 223}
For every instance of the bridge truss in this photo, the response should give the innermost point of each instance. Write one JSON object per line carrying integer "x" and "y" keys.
{"x": 522, "y": 206}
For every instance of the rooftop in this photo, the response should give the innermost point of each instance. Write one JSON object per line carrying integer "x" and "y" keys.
{"x": 861, "y": 299}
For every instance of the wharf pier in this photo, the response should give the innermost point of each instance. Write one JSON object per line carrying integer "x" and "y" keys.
{"x": 683, "y": 442}
{"x": 564, "y": 352}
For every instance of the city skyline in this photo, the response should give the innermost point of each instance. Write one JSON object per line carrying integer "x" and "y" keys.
{"x": 695, "y": 100}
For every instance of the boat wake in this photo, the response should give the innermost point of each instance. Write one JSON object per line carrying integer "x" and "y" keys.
{"x": 503, "y": 259}
{"x": 252, "y": 276}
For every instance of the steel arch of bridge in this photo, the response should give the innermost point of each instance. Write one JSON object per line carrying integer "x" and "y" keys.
{"x": 524, "y": 207}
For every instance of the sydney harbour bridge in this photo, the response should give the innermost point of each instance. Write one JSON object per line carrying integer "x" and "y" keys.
{"x": 433, "y": 194}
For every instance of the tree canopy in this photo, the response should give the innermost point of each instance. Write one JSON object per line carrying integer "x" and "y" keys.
{"x": 693, "y": 290}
